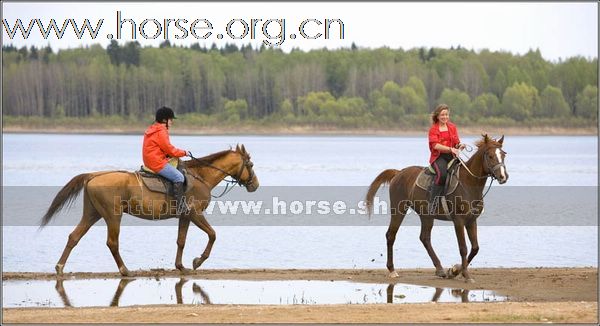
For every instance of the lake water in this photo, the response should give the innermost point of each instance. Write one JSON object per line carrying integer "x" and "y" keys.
{"x": 152, "y": 291}
{"x": 36, "y": 160}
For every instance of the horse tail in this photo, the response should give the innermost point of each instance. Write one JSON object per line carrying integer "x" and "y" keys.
{"x": 66, "y": 196}
{"x": 384, "y": 177}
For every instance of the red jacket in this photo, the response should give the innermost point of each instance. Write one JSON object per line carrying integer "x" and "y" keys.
{"x": 435, "y": 138}
{"x": 157, "y": 146}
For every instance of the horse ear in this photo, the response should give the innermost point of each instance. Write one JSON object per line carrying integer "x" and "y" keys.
{"x": 237, "y": 147}
{"x": 486, "y": 138}
{"x": 243, "y": 149}
{"x": 501, "y": 140}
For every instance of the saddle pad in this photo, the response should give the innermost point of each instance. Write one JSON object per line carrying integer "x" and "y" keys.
{"x": 424, "y": 181}
{"x": 157, "y": 183}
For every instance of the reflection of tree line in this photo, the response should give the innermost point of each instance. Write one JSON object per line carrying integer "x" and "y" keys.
{"x": 463, "y": 294}
{"x": 196, "y": 289}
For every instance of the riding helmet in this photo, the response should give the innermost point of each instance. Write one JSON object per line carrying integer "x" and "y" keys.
{"x": 164, "y": 113}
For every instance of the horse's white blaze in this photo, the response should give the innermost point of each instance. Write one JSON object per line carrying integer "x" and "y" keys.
{"x": 502, "y": 173}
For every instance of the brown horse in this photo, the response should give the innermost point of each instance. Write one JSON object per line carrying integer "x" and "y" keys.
{"x": 109, "y": 194}
{"x": 487, "y": 162}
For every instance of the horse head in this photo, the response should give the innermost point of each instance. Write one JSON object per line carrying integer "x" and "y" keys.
{"x": 493, "y": 157}
{"x": 246, "y": 176}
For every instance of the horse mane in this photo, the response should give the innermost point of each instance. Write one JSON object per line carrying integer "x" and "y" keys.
{"x": 484, "y": 143}
{"x": 202, "y": 161}
{"x": 487, "y": 141}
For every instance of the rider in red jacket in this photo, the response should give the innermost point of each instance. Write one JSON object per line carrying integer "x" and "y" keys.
{"x": 157, "y": 150}
{"x": 444, "y": 144}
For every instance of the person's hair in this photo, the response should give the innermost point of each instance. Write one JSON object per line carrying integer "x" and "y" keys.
{"x": 437, "y": 111}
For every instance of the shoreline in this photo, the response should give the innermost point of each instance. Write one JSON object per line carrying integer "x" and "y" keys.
{"x": 310, "y": 131}
{"x": 542, "y": 283}
{"x": 536, "y": 295}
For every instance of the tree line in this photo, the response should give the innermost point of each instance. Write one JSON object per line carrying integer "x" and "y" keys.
{"x": 344, "y": 87}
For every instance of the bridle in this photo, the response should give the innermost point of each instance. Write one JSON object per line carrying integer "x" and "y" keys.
{"x": 237, "y": 179}
{"x": 489, "y": 174}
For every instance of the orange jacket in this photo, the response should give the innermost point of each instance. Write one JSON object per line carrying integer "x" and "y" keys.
{"x": 435, "y": 137}
{"x": 157, "y": 148}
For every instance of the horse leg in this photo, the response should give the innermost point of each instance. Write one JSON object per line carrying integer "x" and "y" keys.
{"x": 472, "y": 233}
{"x": 178, "y": 292}
{"x": 120, "y": 288}
{"x": 61, "y": 292}
{"x": 184, "y": 224}
{"x": 425, "y": 237}
{"x": 459, "y": 229}
{"x": 113, "y": 226}
{"x": 390, "y": 236}
{"x": 202, "y": 223}
{"x": 89, "y": 217}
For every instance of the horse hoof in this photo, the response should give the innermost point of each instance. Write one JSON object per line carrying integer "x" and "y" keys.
{"x": 450, "y": 273}
{"x": 394, "y": 274}
{"x": 197, "y": 262}
{"x": 469, "y": 280}
{"x": 124, "y": 271}
{"x": 184, "y": 270}
{"x": 59, "y": 269}
{"x": 440, "y": 273}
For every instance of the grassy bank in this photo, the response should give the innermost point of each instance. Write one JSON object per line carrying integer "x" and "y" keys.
{"x": 211, "y": 125}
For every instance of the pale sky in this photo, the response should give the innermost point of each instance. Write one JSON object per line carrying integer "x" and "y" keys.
{"x": 557, "y": 29}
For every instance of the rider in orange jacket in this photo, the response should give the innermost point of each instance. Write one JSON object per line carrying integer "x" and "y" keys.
{"x": 157, "y": 150}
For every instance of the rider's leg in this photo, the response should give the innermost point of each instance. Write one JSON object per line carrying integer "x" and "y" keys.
{"x": 177, "y": 178}
{"x": 440, "y": 165}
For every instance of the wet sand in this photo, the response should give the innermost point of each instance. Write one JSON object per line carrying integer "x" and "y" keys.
{"x": 563, "y": 295}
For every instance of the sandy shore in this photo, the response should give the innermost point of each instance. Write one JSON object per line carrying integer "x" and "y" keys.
{"x": 564, "y": 295}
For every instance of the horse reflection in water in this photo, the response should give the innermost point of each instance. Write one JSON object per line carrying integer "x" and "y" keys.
{"x": 463, "y": 294}
{"x": 196, "y": 289}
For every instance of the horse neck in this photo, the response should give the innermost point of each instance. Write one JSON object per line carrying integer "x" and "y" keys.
{"x": 475, "y": 165}
{"x": 212, "y": 177}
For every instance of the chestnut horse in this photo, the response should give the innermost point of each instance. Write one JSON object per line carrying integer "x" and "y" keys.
{"x": 487, "y": 162}
{"x": 109, "y": 194}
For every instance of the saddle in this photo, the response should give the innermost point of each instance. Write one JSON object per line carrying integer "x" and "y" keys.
{"x": 426, "y": 176}
{"x": 157, "y": 183}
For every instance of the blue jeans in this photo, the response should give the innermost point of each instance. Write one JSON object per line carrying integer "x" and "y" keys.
{"x": 171, "y": 173}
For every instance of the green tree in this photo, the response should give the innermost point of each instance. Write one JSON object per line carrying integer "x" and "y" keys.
{"x": 520, "y": 101}
{"x": 458, "y": 101}
{"x": 411, "y": 101}
{"x": 311, "y": 104}
{"x": 587, "y": 102}
{"x": 114, "y": 52}
{"x": 235, "y": 110}
{"x": 382, "y": 107}
{"x": 572, "y": 76}
{"x": 416, "y": 84}
{"x": 553, "y": 103}
{"x": 499, "y": 84}
{"x": 485, "y": 105}
{"x": 391, "y": 90}
{"x": 286, "y": 109}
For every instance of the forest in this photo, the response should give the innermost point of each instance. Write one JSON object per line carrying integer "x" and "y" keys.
{"x": 352, "y": 87}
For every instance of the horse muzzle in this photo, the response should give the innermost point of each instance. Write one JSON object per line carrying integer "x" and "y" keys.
{"x": 252, "y": 187}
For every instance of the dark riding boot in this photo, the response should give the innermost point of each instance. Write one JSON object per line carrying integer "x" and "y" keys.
{"x": 178, "y": 190}
{"x": 435, "y": 198}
